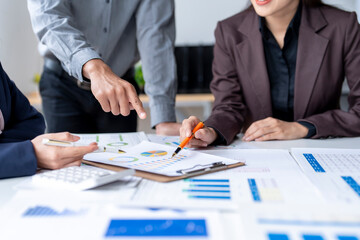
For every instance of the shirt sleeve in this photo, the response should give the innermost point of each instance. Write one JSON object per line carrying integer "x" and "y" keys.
{"x": 53, "y": 23}
{"x": 25, "y": 122}
{"x": 17, "y": 159}
{"x": 155, "y": 25}
{"x": 337, "y": 122}
{"x": 229, "y": 110}
{"x": 21, "y": 123}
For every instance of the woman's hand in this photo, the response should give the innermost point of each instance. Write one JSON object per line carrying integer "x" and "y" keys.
{"x": 272, "y": 128}
{"x": 53, "y": 157}
{"x": 202, "y": 138}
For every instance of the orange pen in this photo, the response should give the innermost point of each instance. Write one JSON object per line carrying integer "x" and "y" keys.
{"x": 186, "y": 140}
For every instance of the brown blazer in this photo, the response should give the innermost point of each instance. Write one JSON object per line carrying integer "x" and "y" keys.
{"x": 328, "y": 51}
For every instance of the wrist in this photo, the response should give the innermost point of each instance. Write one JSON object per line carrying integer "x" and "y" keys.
{"x": 213, "y": 133}
{"x": 302, "y": 130}
{"x": 93, "y": 67}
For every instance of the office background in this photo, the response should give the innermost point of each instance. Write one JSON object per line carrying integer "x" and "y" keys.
{"x": 195, "y": 24}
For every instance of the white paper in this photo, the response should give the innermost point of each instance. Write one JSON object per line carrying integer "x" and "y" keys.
{"x": 29, "y": 216}
{"x": 269, "y": 177}
{"x": 122, "y": 141}
{"x": 300, "y": 222}
{"x": 335, "y": 172}
{"x": 175, "y": 142}
{"x": 195, "y": 193}
{"x": 156, "y": 158}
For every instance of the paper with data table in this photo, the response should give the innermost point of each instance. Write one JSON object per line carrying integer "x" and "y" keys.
{"x": 34, "y": 216}
{"x": 157, "y": 158}
{"x": 301, "y": 222}
{"x": 269, "y": 177}
{"x": 121, "y": 141}
{"x": 336, "y": 172}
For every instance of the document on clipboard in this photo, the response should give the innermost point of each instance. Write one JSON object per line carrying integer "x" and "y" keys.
{"x": 154, "y": 161}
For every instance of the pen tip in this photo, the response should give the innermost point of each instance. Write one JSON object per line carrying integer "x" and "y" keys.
{"x": 173, "y": 155}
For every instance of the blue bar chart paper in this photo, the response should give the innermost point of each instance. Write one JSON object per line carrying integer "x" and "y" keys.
{"x": 208, "y": 188}
{"x": 44, "y": 211}
{"x": 352, "y": 183}
{"x": 313, "y": 162}
{"x": 157, "y": 228}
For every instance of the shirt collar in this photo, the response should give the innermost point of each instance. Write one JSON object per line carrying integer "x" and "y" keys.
{"x": 294, "y": 23}
{"x": 2, "y": 122}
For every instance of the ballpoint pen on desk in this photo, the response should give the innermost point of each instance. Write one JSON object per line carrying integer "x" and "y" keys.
{"x": 61, "y": 143}
{"x": 186, "y": 140}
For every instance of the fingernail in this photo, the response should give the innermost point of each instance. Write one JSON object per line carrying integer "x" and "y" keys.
{"x": 142, "y": 115}
{"x": 204, "y": 145}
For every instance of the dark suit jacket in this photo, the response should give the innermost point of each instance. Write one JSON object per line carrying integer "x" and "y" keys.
{"x": 328, "y": 51}
{"x": 21, "y": 123}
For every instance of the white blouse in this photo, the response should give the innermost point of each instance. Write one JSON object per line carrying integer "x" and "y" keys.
{"x": 2, "y": 123}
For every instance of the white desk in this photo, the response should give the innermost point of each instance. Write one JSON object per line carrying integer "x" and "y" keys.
{"x": 7, "y": 190}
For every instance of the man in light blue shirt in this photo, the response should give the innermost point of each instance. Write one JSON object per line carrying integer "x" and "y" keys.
{"x": 90, "y": 47}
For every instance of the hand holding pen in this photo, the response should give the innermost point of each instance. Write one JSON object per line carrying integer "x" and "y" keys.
{"x": 202, "y": 137}
{"x": 50, "y": 157}
{"x": 62, "y": 143}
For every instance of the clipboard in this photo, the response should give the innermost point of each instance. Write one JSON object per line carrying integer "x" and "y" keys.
{"x": 186, "y": 173}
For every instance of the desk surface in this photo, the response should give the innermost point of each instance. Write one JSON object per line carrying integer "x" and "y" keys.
{"x": 8, "y": 186}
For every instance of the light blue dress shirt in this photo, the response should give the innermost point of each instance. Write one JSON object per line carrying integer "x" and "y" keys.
{"x": 118, "y": 31}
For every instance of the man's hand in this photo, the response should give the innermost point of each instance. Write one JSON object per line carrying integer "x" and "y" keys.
{"x": 113, "y": 93}
{"x": 53, "y": 157}
{"x": 202, "y": 138}
{"x": 168, "y": 129}
{"x": 272, "y": 128}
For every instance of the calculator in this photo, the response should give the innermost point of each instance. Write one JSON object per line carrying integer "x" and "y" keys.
{"x": 78, "y": 178}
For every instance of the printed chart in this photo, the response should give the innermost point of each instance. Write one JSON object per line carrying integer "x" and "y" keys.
{"x": 301, "y": 223}
{"x": 154, "y": 153}
{"x": 335, "y": 172}
{"x": 45, "y": 211}
{"x": 157, "y": 165}
{"x": 264, "y": 189}
{"x": 210, "y": 193}
{"x": 335, "y": 161}
{"x": 207, "y": 188}
{"x": 157, "y": 228}
{"x": 353, "y": 184}
{"x": 123, "y": 159}
{"x": 115, "y": 140}
{"x": 157, "y": 158}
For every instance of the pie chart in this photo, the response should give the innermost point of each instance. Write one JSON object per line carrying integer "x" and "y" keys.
{"x": 155, "y": 153}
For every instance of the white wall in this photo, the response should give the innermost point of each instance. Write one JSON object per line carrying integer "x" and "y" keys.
{"x": 195, "y": 22}
{"x": 196, "y": 19}
{"x": 18, "y": 44}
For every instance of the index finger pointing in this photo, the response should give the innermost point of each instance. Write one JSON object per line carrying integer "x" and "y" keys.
{"x": 137, "y": 105}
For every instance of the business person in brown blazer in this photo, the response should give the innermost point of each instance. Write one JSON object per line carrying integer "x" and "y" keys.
{"x": 278, "y": 71}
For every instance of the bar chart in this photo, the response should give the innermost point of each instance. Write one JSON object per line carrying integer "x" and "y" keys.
{"x": 207, "y": 189}
{"x": 45, "y": 211}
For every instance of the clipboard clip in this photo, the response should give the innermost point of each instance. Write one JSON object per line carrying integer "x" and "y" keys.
{"x": 204, "y": 168}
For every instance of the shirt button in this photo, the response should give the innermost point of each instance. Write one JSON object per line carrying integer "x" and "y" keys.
{"x": 105, "y": 29}
{"x": 107, "y": 1}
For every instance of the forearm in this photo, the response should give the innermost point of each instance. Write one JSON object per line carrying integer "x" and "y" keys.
{"x": 156, "y": 36}
{"x": 53, "y": 24}
{"x": 335, "y": 123}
